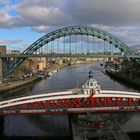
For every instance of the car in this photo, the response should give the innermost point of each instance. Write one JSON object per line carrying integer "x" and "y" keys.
{"x": 21, "y": 78}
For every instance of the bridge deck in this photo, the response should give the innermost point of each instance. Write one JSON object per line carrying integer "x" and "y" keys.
{"x": 55, "y": 55}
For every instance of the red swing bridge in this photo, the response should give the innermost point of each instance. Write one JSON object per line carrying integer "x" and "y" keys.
{"x": 90, "y": 98}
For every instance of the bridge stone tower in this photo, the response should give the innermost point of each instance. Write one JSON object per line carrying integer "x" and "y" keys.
{"x": 2, "y": 51}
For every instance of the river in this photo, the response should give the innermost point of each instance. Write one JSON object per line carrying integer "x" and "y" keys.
{"x": 58, "y": 125}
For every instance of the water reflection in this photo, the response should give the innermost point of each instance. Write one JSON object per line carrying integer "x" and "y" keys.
{"x": 51, "y": 124}
{"x": 43, "y": 125}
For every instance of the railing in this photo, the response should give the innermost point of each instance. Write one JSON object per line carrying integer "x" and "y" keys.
{"x": 54, "y": 55}
{"x": 66, "y": 94}
{"x": 39, "y": 93}
{"x": 59, "y": 92}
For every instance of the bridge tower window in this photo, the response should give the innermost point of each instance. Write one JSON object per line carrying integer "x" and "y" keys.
{"x": 91, "y": 84}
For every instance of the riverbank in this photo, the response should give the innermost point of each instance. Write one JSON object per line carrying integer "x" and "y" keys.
{"x": 52, "y": 67}
{"x": 16, "y": 84}
{"x": 21, "y": 83}
{"x": 124, "y": 79}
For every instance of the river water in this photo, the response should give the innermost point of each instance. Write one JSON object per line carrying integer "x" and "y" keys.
{"x": 58, "y": 125}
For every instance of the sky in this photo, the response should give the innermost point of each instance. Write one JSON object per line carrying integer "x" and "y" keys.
{"x": 24, "y": 21}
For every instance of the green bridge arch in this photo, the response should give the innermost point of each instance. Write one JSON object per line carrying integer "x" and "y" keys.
{"x": 71, "y": 30}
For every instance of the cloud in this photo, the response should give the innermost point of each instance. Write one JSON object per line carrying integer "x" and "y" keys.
{"x": 119, "y": 17}
{"x": 8, "y": 21}
{"x": 4, "y": 1}
{"x": 45, "y": 16}
{"x": 42, "y": 14}
{"x": 16, "y": 41}
{"x": 131, "y": 38}
{"x": 105, "y": 12}
{"x": 51, "y": 13}
{"x": 128, "y": 34}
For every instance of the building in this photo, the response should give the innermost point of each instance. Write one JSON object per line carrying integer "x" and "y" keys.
{"x": 37, "y": 64}
{"x": 30, "y": 65}
{"x": 2, "y": 49}
{"x": 2, "y": 61}
{"x": 13, "y": 52}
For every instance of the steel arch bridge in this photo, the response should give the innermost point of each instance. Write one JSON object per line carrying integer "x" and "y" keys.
{"x": 67, "y": 31}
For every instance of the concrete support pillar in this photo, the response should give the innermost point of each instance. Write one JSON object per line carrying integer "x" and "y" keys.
{"x": 1, "y": 70}
{"x": 110, "y": 59}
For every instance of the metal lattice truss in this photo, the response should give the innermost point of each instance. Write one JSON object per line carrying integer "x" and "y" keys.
{"x": 67, "y": 102}
{"x": 72, "y": 30}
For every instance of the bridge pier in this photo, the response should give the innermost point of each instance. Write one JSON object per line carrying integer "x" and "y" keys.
{"x": 2, "y": 61}
{"x": 1, "y": 71}
{"x": 109, "y": 59}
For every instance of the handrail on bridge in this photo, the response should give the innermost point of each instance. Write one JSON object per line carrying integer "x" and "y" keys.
{"x": 52, "y": 92}
{"x": 67, "y": 94}
{"x": 48, "y": 94}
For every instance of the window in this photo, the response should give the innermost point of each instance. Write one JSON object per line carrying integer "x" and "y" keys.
{"x": 91, "y": 84}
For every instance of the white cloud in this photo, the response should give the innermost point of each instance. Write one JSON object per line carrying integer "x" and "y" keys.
{"x": 45, "y": 13}
{"x": 41, "y": 28}
{"x": 6, "y": 20}
{"x": 14, "y": 41}
{"x": 4, "y": 1}
{"x": 129, "y": 37}
{"x": 65, "y": 12}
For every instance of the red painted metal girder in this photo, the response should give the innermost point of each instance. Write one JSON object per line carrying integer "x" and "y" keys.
{"x": 109, "y": 101}
{"x": 38, "y": 105}
{"x": 120, "y": 100}
{"x": 78, "y": 103}
{"x": 24, "y": 106}
{"x": 132, "y": 101}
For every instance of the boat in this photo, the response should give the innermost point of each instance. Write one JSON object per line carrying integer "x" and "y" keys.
{"x": 101, "y": 64}
{"x": 91, "y": 85}
{"x": 41, "y": 74}
{"x": 54, "y": 71}
{"x": 49, "y": 74}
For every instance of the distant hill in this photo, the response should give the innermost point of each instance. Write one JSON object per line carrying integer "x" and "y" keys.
{"x": 136, "y": 48}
